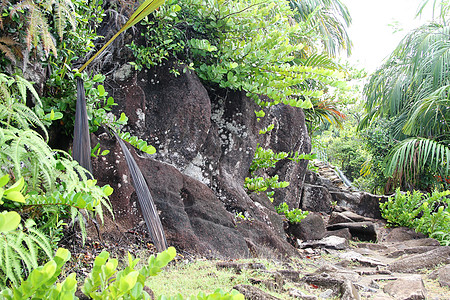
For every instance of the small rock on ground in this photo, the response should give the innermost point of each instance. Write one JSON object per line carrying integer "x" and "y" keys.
{"x": 253, "y": 293}
{"x": 411, "y": 288}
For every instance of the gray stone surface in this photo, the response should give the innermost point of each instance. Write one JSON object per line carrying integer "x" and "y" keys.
{"x": 361, "y": 203}
{"x": 411, "y": 288}
{"x": 444, "y": 276}
{"x": 295, "y": 293}
{"x": 310, "y": 228}
{"x": 343, "y": 233}
{"x": 330, "y": 242}
{"x": 413, "y": 263}
{"x": 400, "y": 234}
{"x": 316, "y": 198}
{"x": 337, "y": 217}
{"x": 361, "y": 259}
{"x": 364, "y": 231}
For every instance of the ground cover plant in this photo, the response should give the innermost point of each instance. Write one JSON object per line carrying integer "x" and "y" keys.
{"x": 425, "y": 213}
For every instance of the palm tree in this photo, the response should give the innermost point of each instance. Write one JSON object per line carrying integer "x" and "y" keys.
{"x": 328, "y": 19}
{"x": 413, "y": 89}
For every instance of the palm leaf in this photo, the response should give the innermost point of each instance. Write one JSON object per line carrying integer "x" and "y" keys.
{"x": 81, "y": 139}
{"x": 415, "y": 155}
{"x": 329, "y": 18}
{"x": 416, "y": 69}
{"x": 148, "y": 207}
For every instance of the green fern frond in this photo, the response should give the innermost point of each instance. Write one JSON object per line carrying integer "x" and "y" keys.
{"x": 37, "y": 27}
{"x": 19, "y": 253}
{"x": 39, "y": 239}
{"x": 65, "y": 13}
{"x": 23, "y": 86}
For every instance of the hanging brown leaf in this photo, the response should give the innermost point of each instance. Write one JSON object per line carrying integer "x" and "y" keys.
{"x": 145, "y": 199}
{"x": 81, "y": 140}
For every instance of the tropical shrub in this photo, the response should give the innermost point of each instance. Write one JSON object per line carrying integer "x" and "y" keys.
{"x": 263, "y": 160}
{"x": 426, "y": 213}
{"x": 250, "y": 46}
{"x": 411, "y": 89}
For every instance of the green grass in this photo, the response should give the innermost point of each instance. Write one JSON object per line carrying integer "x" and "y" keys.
{"x": 190, "y": 278}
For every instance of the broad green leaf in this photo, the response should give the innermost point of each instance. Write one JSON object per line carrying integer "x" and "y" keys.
{"x": 101, "y": 90}
{"x": 123, "y": 118}
{"x": 15, "y": 196}
{"x": 110, "y": 101}
{"x": 9, "y": 220}
{"x": 107, "y": 190}
{"x": 126, "y": 283}
{"x": 4, "y": 180}
{"x": 17, "y": 186}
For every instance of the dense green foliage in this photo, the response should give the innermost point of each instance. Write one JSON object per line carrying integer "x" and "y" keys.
{"x": 295, "y": 215}
{"x": 250, "y": 46}
{"x": 410, "y": 91}
{"x": 426, "y": 213}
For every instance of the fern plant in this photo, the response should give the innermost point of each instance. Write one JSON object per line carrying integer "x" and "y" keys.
{"x": 8, "y": 47}
{"x": 38, "y": 29}
{"x": 20, "y": 248}
{"x": 13, "y": 108}
{"x": 20, "y": 251}
{"x": 52, "y": 177}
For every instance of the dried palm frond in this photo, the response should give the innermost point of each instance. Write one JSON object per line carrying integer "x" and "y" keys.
{"x": 148, "y": 207}
{"x": 81, "y": 151}
{"x": 81, "y": 138}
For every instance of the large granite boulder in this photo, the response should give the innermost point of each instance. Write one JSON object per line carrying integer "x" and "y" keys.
{"x": 205, "y": 141}
{"x": 310, "y": 228}
{"x": 362, "y": 203}
{"x": 316, "y": 198}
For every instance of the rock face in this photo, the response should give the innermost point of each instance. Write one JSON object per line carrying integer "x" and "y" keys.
{"x": 425, "y": 260}
{"x": 205, "y": 144}
{"x": 310, "y": 228}
{"x": 406, "y": 288}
